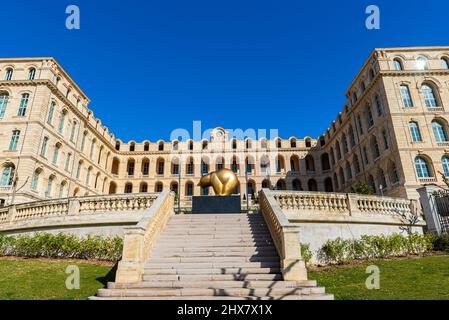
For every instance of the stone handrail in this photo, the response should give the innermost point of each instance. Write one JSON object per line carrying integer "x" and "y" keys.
{"x": 140, "y": 239}
{"x": 76, "y": 206}
{"x": 343, "y": 204}
{"x": 285, "y": 237}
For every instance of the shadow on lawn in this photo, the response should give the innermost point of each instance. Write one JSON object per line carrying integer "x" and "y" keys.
{"x": 109, "y": 277}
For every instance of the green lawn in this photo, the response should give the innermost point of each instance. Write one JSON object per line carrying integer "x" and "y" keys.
{"x": 406, "y": 279}
{"x": 31, "y": 279}
{"x": 416, "y": 278}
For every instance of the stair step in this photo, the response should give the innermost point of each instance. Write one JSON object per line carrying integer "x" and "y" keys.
{"x": 212, "y": 265}
{"x": 213, "y": 255}
{"x": 205, "y": 284}
{"x": 217, "y": 277}
{"x": 215, "y": 243}
{"x": 238, "y": 292}
{"x": 206, "y": 298}
{"x": 218, "y": 250}
{"x": 210, "y": 271}
{"x": 173, "y": 260}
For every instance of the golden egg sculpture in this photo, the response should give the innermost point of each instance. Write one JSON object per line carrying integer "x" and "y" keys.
{"x": 223, "y": 182}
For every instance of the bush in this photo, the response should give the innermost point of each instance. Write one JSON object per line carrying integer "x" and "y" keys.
{"x": 362, "y": 187}
{"x": 340, "y": 251}
{"x": 440, "y": 243}
{"x": 62, "y": 246}
{"x": 306, "y": 254}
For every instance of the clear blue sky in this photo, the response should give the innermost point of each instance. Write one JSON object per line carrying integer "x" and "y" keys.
{"x": 152, "y": 66}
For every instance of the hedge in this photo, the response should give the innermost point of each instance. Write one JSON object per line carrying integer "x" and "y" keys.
{"x": 62, "y": 246}
{"x": 340, "y": 251}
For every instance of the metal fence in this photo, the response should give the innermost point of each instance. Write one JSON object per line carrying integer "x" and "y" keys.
{"x": 441, "y": 199}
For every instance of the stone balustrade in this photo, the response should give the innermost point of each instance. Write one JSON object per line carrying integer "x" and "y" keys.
{"x": 285, "y": 237}
{"x": 140, "y": 239}
{"x": 342, "y": 204}
{"x": 77, "y": 206}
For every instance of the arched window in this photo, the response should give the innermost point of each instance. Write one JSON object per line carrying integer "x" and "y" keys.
{"x": 308, "y": 143}
{"x": 249, "y": 144}
{"x": 278, "y": 143}
{"x": 190, "y": 167}
{"x": 146, "y": 146}
{"x": 204, "y": 145}
{"x": 161, "y": 146}
{"x": 422, "y": 63}
{"x": 312, "y": 185}
{"x": 406, "y": 97}
{"x": 429, "y": 96}
{"x": 159, "y": 187}
{"x": 132, "y": 147}
{"x": 129, "y": 188}
{"x": 175, "y": 145}
{"x": 398, "y": 64}
{"x": 445, "y": 63}
{"x": 145, "y": 167}
{"x": 310, "y": 163}
{"x": 204, "y": 167}
{"x": 439, "y": 131}
{"x": 422, "y": 167}
{"x": 344, "y": 141}
{"x": 3, "y": 104}
{"x": 160, "y": 167}
{"x": 117, "y": 146}
{"x": 130, "y": 167}
{"x": 293, "y": 143}
{"x": 190, "y": 145}
{"x": 7, "y": 176}
{"x": 31, "y": 74}
{"x": 143, "y": 187}
{"x": 234, "y": 144}
{"x": 414, "y": 131}
{"x": 263, "y": 143}
{"x": 445, "y": 163}
{"x": 8, "y": 74}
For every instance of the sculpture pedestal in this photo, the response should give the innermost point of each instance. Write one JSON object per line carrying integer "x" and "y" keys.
{"x": 215, "y": 204}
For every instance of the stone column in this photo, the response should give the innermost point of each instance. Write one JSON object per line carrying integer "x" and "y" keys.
{"x": 429, "y": 208}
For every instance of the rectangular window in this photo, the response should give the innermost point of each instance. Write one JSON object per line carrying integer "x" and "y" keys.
{"x": 61, "y": 123}
{"x": 44, "y": 147}
{"x": 406, "y": 98}
{"x": 55, "y": 155}
{"x": 370, "y": 118}
{"x": 50, "y": 113}
{"x": 3, "y": 104}
{"x": 14, "y": 140}
{"x": 34, "y": 181}
{"x": 23, "y": 105}
{"x": 67, "y": 161}
{"x": 365, "y": 155}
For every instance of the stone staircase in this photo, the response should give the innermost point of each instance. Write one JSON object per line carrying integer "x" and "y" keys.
{"x": 214, "y": 257}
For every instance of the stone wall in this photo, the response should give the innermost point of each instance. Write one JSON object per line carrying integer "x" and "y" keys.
{"x": 324, "y": 216}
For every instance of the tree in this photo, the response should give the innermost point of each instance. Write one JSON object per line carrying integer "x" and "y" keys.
{"x": 363, "y": 188}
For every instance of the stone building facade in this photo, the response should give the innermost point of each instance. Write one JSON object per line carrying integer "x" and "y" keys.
{"x": 391, "y": 134}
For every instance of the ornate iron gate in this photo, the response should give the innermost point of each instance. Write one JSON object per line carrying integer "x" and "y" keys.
{"x": 442, "y": 203}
